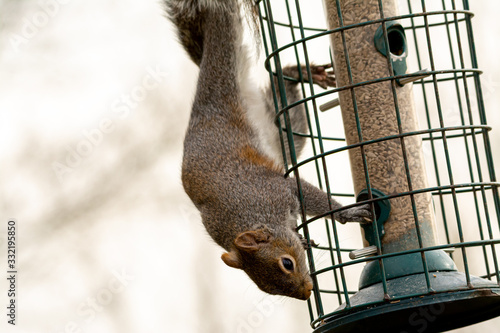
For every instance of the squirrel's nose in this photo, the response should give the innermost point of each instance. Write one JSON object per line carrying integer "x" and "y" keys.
{"x": 308, "y": 287}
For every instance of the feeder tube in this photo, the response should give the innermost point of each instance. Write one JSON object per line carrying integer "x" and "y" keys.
{"x": 379, "y": 110}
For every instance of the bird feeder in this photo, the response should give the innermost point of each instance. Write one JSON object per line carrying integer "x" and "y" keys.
{"x": 414, "y": 128}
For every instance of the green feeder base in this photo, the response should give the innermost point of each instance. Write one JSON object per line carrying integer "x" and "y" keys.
{"x": 406, "y": 264}
{"x": 452, "y": 305}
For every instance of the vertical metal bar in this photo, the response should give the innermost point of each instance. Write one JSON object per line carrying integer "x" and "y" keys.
{"x": 487, "y": 145}
{"x": 274, "y": 46}
{"x": 271, "y": 78}
{"x": 445, "y": 142}
{"x": 272, "y": 34}
{"x": 462, "y": 119}
{"x": 323, "y": 162}
{"x": 429, "y": 126}
{"x": 362, "y": 148}
{"x": 291, "y": 148}
{"x": 311, "y": 136}
{"x": 306, "y": 106}
{"x": 403, "y": 147}
{"x": 476, "y": 150}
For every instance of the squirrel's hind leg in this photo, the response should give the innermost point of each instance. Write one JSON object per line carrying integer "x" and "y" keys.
{"x": 320, "y": 75}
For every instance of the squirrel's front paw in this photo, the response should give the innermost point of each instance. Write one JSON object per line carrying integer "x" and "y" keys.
{"x": 305, "y": 244}
{"x": 361, "y": 214}
{"x": 321, "y": 76}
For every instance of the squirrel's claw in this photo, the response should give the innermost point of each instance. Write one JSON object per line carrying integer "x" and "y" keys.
{"x": 307, "y": 245}
{"x": 361, "y": 214}
{"x": 320, "y": 76}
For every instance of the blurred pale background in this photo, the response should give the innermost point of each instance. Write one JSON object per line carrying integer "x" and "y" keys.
{"x": 94, "y": 101}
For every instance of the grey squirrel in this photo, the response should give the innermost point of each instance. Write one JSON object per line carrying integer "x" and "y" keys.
{"x": 229, "y": 168}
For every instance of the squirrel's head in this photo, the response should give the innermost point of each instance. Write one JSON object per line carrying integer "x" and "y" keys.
{"x": 274, "y": 261}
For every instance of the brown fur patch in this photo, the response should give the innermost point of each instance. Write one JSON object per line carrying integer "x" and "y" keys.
{"x": 253, "y": 156}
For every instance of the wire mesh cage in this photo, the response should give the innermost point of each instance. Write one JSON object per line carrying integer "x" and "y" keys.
{"x": 412, "y": 126}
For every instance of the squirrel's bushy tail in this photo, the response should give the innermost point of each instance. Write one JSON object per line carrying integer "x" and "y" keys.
{"x": 211, "y": 31}
{"x": 188, "y": 16}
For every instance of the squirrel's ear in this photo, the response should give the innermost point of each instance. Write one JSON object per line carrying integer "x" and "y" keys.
{"x": 250, "y": 241}
{"x": 232, "y": 260}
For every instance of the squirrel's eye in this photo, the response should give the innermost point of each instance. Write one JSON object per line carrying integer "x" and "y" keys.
{"x": 288, "y": 264}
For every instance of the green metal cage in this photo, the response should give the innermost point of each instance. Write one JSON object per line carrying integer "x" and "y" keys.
{"x": 366, "y": 284}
